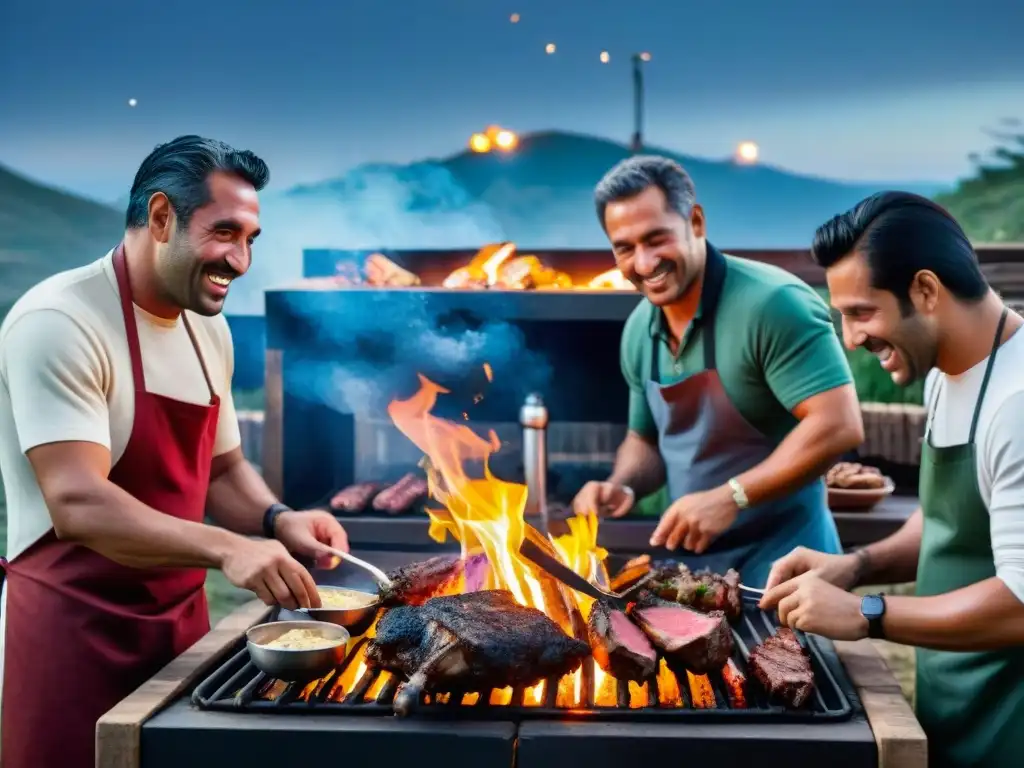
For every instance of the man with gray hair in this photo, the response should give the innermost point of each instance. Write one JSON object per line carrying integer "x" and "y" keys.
{"x": 740, "y": 395}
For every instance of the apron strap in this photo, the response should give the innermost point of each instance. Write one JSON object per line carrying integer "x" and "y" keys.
{"x": 128, "y": 311}
{"x": 988, "y": 372}
{"x": 132, "y": 329}
{"x": 711, "y": 291}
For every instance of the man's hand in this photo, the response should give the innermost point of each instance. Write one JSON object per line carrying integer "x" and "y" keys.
{"x": 606, "y": 499}
{"x": 266, "y": 568}
{"x": 695, "y": 520}
{"x": 310, "y": 534}
{"x": 840, "y": 570}
{"x": 811, "y": 604}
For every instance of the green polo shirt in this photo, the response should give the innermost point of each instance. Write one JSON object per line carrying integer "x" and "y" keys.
{"x": 776, "y": 347}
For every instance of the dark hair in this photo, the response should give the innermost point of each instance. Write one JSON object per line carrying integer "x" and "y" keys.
{"x": 635, "y": 174}
{"x": 180, "y": 169}
{"x": 900, "y": 234}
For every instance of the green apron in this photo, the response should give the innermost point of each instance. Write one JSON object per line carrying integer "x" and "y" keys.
{"x": 971, "y": 705}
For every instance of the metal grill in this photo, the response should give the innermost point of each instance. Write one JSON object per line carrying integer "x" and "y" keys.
{"x": 238, "y": 686}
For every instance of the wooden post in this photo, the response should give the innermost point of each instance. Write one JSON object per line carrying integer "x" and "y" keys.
{"x": 901, "y": 740}
{"x": 119, "y": 731}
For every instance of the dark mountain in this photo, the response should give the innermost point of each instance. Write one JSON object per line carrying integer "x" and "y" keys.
{"x": 44, "y": 231}
{"x": 541, "y": 195}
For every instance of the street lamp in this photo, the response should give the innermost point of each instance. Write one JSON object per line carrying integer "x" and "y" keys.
{"x": 639, "y": 59}
{"x": 495, "y": 137}
{"x": 747, "y": 153}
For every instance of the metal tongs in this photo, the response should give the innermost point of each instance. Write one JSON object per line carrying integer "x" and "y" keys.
{"x": 567, "y": 576}
{"x": 573, "y": 580}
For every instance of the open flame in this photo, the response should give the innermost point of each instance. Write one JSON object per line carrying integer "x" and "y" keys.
{"x": 498, "y": 266}
{"x": 486, "y": 515}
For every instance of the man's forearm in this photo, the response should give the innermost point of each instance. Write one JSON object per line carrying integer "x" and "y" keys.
{"x": 110, "y": 521}
{"x": 639, "y": 465}
{"x": 981, "y": 617}
{"x": 893, "y": 560}
{"x": 805, "y": 454}
{"x": 238, "y": 496}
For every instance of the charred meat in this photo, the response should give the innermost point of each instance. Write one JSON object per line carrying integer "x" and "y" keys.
{"x": 416, "y": 583}
{"x": 783, "y": 667}
{"x": 354, "y": 498}
{"x": 471, "y": 642}
{"x": 402, "y": 495}
{"x": 698, "y": 642}
{"x": 619, "y": 646}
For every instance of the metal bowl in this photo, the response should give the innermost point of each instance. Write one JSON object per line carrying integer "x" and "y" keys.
{"x": 294, "y": 665}
{"x": 355, "y": 620}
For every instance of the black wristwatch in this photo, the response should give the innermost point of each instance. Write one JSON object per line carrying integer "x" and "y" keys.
{"x": 872, "y": 608}
{"x": 270, "y": 518}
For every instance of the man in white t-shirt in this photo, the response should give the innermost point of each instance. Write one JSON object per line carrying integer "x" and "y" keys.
{"x": 117, "y": 437}
{"x": 910, "y": 289}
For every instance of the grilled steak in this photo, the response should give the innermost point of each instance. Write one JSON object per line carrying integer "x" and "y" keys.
{"x": 402, "y": 495}
{"x": 783, "y": 667}
{"x": 354, "y": 498}
{"x": 703, "y": 591}
{"x": 416, "y": 583}
{"x": 699, "y": 642}
{"x": 471, "y": 642}
{"x": 620, "y": 648}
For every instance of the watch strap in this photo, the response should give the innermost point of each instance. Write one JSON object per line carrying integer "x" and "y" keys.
{"x": 739, "y": 493}
{"x": 270, "y": 518}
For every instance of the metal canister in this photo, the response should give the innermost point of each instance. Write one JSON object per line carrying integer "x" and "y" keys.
{"x": 533, "y": 417}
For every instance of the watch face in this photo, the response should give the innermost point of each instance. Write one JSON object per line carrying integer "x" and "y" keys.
{"x": 872, "y": 606}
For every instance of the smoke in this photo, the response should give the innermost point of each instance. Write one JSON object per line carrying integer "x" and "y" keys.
{"x": 371, "y": 207}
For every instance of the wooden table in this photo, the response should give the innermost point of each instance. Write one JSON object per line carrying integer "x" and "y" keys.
{"x": 900, "y": 739}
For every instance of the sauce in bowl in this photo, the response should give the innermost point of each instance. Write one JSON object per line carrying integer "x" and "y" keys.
{"x": 302, "y": 640}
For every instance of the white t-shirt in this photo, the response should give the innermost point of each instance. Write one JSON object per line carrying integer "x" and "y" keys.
{"x": 66, "y": 374}
{"x": 1000, "y": 446}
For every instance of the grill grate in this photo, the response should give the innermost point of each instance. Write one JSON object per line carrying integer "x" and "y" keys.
{"x": 353, "y": 689}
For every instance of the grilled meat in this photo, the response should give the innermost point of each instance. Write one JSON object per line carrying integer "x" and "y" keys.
{"x": 354, "y": 498}
{"x": 620, "y": 648}
{"x": 471, "y": 642}
{"x": 704, "y": 590}
{"x": 416, "y": 583}
{"x": 402, "y": 495}
{"x": 783, "y": 667}
{"x": 698, "y": 642}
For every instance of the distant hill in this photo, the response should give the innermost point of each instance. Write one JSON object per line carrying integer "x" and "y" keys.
{"x": 44, "y": 231}
{"x": 541, "y": 195}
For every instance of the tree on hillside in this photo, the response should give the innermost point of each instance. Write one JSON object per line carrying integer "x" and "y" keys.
{"x": 990, "y": 204}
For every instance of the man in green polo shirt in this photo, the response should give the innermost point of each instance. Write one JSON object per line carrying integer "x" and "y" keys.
{"x": 740, "y": 395}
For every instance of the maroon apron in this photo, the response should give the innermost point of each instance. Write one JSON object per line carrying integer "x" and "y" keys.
{"x": 84, "y": 632}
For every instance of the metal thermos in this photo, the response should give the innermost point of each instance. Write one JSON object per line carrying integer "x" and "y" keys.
{"x": 533, "y": 417}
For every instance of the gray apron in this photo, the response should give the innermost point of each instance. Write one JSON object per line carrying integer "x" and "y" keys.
{"x": 705, "y": 441}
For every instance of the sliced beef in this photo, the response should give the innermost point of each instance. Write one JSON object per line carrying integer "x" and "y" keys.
{"x": 783, "y": 667}
{"x": 698, "y": 642}
{"x": 416, "y": 583}
{"x": 470, "y": 642}
{"x": 354, "y": 498}
{"x": 402, "y": 495}
{"x": 620, "y": 648}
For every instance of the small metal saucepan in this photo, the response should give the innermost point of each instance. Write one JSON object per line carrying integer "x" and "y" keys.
{"x": 296, "y": 665}
{"x": 356, "y": 620}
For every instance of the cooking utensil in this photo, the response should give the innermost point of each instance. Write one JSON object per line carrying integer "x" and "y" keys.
{"x": 752, "y": 590}
{"x": 356, "y": 620}
{"x": 567, "y": 576}
{"x": 295, "y": 665}
{"x": 373, "y": 570}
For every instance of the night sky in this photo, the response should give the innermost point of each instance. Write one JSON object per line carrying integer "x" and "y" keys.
{"x": 873, "y": 90}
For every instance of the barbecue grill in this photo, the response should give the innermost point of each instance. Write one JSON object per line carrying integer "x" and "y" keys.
{"x": 237, "y": 686}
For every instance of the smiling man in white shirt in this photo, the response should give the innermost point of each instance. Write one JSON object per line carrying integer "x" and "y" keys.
{"x": 910, "y": 289}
